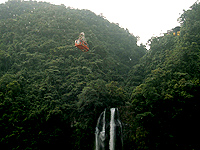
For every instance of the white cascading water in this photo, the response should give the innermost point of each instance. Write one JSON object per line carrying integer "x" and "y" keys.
{"x": 100, "y": 134}
{"x": 103, "y": 132}
{"x": 112, "y": 130}
{"x": 108, "y": 135}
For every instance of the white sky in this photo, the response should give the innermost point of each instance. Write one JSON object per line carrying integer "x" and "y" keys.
{"x": 143, "y": 18}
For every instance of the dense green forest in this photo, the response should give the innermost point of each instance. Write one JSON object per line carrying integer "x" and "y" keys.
{"x": 51, "y": 93}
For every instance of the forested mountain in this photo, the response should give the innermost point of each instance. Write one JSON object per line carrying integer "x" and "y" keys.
{"x": 51, "y": 93}
{"x": 166, "y": 103}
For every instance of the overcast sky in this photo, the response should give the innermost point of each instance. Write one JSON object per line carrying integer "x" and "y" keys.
{"x": 143, "y": 18}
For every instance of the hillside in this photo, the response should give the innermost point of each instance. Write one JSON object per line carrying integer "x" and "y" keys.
{"x": 51, "y": 92}
{"x": 166, "y": 103}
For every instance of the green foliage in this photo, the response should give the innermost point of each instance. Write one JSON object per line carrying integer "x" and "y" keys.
{"x": 165, "y": 102}
{"x": 50, "y": 91}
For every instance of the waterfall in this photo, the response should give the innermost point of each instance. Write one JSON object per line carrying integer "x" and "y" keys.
{"x": 112, "y": 129}
{"x": 100, "y": 132}
{"x": 108, "y": 135}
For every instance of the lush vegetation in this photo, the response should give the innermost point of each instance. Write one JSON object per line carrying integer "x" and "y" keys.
{"x": 166, "y": 103}
{"x": 51, "y": 93}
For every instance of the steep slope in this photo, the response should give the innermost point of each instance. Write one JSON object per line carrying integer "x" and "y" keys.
{"x": 165, "y": 99}
{"x": 50, "y": 91}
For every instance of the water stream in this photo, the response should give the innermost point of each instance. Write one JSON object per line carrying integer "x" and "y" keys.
{"x": 100, "y": 132}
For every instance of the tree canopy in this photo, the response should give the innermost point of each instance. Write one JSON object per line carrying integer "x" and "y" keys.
{"x": 166, "y": 101}
{"x": 52, "y": 93}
